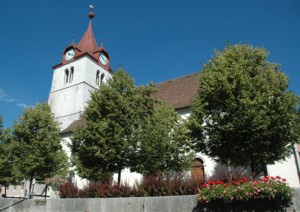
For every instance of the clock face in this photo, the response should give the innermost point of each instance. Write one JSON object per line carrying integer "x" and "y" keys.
{"x": 69, "y": 54}
{"x": 103, "y": 59}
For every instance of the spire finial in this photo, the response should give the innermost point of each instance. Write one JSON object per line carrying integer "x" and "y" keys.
{"x": 91, "y": 13}
{"x": 102, "y": 41}
{"x": 74, "y": 37}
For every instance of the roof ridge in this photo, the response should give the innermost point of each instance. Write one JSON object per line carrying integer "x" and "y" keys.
{"x": 177, "y": 78}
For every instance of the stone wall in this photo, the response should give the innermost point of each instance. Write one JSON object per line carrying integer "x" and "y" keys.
{"x": 130, "y": 204}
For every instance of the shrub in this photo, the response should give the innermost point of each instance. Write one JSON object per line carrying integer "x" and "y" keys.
{"x": 268, "y": 193}
{"x": 68, "y": 190}
{"x": 158, "y": 185}
{"x": 167, "y": 186}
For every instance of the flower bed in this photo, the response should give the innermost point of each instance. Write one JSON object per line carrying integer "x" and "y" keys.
{"x": 269, "y": 193}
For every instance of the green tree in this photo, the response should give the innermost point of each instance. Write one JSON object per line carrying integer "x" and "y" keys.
{"x": 8, "y": 173}
{"x": 114, "y": 117}
{"x": 243, "y": 114}
{"x": 37, "y": 146}
{"x": 162, "y": 143}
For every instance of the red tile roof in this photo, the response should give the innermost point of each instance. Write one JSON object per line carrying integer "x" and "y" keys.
{"x": 179, "y": 92}
{"x": 71, "y": 127}
{"x": 88, "y": 42}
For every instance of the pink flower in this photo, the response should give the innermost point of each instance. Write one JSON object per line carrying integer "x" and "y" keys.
{"x": 204, "y": 185}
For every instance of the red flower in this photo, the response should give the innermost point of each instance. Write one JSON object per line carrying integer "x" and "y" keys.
{"x": 243, "y": 180}
{"x": 235, "y": 183}
{"x": 218, "y": 182}
{"x": 277, "y": 177}
{"x": 211, "y": 182}
{"x": 283, "y": 179}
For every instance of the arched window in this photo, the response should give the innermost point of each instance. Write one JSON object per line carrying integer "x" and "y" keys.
{"x": 197, "y": 169}
{"x": 98, "y": 77}
{"x": 66, "y": 79}
{"x": 71, "y": 74}
{"x": 102, "y": 77}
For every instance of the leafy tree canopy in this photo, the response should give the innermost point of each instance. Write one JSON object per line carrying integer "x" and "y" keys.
{"x": 8, "y": 173}
{"x": 243, "y": 113}
{"x": 117, "y": 112}
{"x": 37, "y": 146}
{"x": 163, "y": 143}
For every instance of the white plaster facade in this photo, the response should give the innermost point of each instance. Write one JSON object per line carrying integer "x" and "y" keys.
{"x": 68, "y": 99}
{"x": 287, "y": 169}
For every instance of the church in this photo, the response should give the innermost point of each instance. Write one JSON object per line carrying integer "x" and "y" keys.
{"x": 84, "y": 66}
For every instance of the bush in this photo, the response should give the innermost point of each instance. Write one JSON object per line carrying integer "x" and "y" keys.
{"x": 159, "y": 185}
{"x": 68, "y": 190}
{"x": 269, "y": 193}
{"x": 168, "y": 186}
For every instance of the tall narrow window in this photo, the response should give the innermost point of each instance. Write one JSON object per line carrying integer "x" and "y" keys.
{"x": 66, "y": 76}
{"x": 98, "y": 78}
{"x": 102, "y": 77}
{"x": 71, "y": 74}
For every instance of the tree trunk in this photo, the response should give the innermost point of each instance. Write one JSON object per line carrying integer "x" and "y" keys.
{"x": 5, "y": 186}
{"x": 119, "y": 176}
{"x": 46, "y": 188}
{"x": 253, "y": 168}
{"x": 264, "y": 168}
{"x": 30, "y": 186}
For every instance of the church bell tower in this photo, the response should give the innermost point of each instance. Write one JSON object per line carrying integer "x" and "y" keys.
{"x": 84, "y": 66}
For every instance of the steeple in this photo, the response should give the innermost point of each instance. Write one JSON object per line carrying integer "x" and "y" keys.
{"x": 88, "y": 42}
{"x": 86, "y": 47}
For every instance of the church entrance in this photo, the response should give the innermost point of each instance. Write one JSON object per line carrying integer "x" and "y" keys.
{"x": 197, "y": 170}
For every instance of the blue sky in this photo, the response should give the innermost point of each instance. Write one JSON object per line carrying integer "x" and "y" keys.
{"x": 152, "y": 40}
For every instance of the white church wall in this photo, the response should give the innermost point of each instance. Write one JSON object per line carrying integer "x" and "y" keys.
{"x": 85, "y": 69}
{"x": 184, "y": 113}
{"x": 68, "y": 99}
{"x": 66, "y": 142}
{"x": 68, "y": 104}
{"x": 128, "y": 177}
{"x": 286, "y": 169}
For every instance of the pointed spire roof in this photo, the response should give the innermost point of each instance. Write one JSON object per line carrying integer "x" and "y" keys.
{"x": 88, "y": 42}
